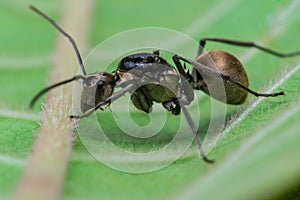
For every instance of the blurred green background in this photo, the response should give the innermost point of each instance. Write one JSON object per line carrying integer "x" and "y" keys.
{"x": 256, "y": 159}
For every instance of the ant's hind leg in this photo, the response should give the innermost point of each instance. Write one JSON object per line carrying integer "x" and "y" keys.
{"x": 202, "y": 68}
{"x": 226, "y": 77}
{"x": 202, "y": 44}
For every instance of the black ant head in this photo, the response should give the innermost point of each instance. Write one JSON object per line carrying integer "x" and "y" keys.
{"x": 97, "y": 87}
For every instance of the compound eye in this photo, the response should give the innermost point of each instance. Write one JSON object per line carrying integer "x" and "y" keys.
{"x": 100, "y": 83}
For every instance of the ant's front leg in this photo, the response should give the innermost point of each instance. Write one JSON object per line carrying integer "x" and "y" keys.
{"x": 90, "y": 112}
{"x": 108, "y": 101}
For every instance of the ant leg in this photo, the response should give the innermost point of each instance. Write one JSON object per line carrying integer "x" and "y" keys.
{"x": 109, "y": 100}
{"x": 140, "y": 100}
{"x": 188, "y": 117}
{"x": 195, "y": 131}
{"x": 206, "y": 70}
{"x": 38, "y": 95}
{"x": 188, "y": 79}
{"x": 226, "y": 77}
{"x": 172, "y": 106}
{"x": 180, "y": 68}
{"x": 202, "y": 43}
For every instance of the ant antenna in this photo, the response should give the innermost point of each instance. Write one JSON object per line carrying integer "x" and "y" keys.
{"x": 38, "y": 95}
{"x": 65, "y": 34}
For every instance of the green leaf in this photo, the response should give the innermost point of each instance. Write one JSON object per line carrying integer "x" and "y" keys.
{"x": 257, "y": 156}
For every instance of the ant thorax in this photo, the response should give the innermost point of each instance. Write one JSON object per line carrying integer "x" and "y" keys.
{"x": 155, "y": 80}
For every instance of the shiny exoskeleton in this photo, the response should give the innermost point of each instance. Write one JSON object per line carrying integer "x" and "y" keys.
{"x": 154, "y": 80}
{"x": 159, "y": 81}
{"x": 150, "y": 78}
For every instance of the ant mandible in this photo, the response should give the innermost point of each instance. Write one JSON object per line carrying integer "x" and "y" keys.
{"x": 173, "y": 88}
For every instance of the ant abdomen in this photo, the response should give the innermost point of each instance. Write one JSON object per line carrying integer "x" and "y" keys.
{"x": 226, "y": 64}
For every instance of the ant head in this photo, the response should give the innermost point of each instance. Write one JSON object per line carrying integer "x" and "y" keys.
{"x": 228, "y": 64}
{"x": 97, "y": 87}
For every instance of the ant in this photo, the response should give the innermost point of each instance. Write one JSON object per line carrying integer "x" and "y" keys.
{"x": 150, "y": 78}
